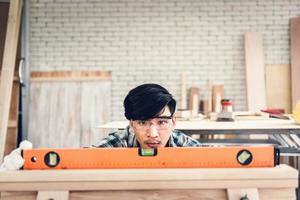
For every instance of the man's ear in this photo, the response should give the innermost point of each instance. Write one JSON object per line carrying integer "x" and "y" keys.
{"x": 174, "y": 121}
{"x": 131, "y": 127}
{"x": 130, "y": 123}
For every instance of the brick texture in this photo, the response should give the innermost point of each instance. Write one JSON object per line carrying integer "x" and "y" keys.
{"x": 154, "y": 41}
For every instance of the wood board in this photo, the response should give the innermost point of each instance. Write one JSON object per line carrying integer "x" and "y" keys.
{"x": 295, "y": 59}
{"x": 183, "y": 96}
{"x": 8, "y": 69}
{"x": 194, "y": 101}
{"x": 278, "y": 84}
{"x": 151, "y": 183}
{"x": 12, "y": 130}
{"x": 255, "y": 72}
{"x": 217, "y": 96}
{"x": 65, "y": 113}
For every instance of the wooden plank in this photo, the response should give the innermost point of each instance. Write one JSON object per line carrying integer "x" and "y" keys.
{"x": 151, "y": 194}
{"x": 295, "y": 60}
{"x": 278, "y": 193}
{"x": 147, "y": 185}
{"x": 54, "y": 117}
{"x": 278, "y": 84}
{"x": 234, "y": 194}
{"x": 183, "y": 96}
{"x": 206, "y": 103}
{"x": 95, "y": 109}
{"x": 209, "y": 97}
{"x": 12, "y": 132}
{"x": 18, "y": 195}
{"x": 8, "y": 64}
{"x": 255, "y": 72}
{"x": 65, "y": 114}
{"x": 246, "y": 175}
{"x": 217, "y": 96}
{"x": 12, "y": 124}
{"x": 220, "y": 194}
{"x": 57, "y": 195}
{"x": 194, "y": 101}
{"x": 264, "y": 194}
{"x": 11, "y": 138}
{"x": 71, "y": 76}
{"x": 264, "y": 125}
{"x": 205, "y": 107}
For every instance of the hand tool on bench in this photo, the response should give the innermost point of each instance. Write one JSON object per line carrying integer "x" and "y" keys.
{"x": 169, "y": 157}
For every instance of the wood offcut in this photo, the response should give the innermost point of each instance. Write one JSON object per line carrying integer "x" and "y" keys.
{"x": 224, "y": 184}
{"x": 70, "y": 76}
{"x": 66, "y": 106}
{"x": 295, "y": 59}
{"x": 255, "y": 72}
{"x": 8, "y": 68}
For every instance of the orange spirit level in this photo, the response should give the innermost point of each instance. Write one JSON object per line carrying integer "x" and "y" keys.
{"x": 125, "y": 158}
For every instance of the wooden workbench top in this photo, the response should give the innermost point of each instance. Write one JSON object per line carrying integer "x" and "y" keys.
{"x": 213, "y": 125}
{"x": 112, "y": 179}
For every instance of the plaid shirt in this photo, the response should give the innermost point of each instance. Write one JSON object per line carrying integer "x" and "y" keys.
{"x": 125, "y": 138}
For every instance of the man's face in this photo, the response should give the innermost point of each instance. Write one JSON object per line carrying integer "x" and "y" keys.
{"x": 155, "y": 132}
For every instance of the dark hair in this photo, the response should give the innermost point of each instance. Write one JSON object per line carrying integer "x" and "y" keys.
{"x": 146, "y": 101}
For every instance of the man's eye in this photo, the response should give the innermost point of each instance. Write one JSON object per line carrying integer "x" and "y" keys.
{"x": 141, "y": 122}
{"x": 162, "y": 122}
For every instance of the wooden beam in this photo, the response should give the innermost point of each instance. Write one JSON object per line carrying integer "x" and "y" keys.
{"x": 237, "y": 193}
{"x": 295, "y": 60}
{"x": 278, "y": 85}
{"x": 149, "y": 179}
{"x": 7, "y": 73}
{"x": 70, "y": 76}
{"x": 217, "y": 96}
{"x": 12, "y": 124}
{"x": 194, "y": 101}
{"x": 255, "y": 72}
{"x": 58, "y": 195}
{"x": 183, "y": 97}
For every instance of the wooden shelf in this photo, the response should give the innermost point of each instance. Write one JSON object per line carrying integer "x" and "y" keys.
{"x": 70, "y": 76}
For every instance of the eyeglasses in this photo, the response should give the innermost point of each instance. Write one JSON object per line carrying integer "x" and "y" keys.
{"x": 160, "y": 123}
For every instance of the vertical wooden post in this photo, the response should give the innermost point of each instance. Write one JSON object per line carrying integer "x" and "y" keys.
{"x": 57, "y": 195}
{"x": 194, "y": 101}
{"x": 295, "y": 60}
{"x": 8, "y": 65}
{"x": 255, "y": 72}
{"x": 183, "y": 103}
{"x": 238, "y": 193}
{"x": 217, "y": 96}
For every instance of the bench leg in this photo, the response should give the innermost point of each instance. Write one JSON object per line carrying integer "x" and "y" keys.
{"x": 242, "y": 194}
{"x": 53, "y": 195}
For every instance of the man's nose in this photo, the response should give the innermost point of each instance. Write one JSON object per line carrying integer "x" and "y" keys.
{"x": 153, "y": 131}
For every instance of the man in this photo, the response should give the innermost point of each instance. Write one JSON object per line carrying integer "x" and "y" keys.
{"x": 150, "y": 110}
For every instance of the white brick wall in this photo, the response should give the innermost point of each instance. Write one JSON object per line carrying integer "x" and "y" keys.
{"x": 155, "y": 40}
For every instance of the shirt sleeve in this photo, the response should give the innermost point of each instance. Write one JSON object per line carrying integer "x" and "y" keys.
{"x": 113, "y": 140}
{"x": 191, "y": 142}
{"x": 179, "y": 139}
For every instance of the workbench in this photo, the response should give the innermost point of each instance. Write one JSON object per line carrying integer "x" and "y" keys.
{"x": 278, "y": 131}
{"x": 284, "y": 134}
{"x": 130, "y": 184}
{"x": 261, "y": 126}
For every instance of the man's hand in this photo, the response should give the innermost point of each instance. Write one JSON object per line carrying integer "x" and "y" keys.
{"x": 14, "y": 160}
